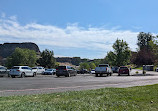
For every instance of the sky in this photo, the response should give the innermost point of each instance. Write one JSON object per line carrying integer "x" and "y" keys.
{"x": 77, "y": 28}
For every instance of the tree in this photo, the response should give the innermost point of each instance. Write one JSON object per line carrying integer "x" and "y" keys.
{"x": 84, "y": 65}
{"x": 144, "y": 39}
{"x": 144, "y": 57}
{"x": 22, "y": 57}
{"x": 47, "y": 59}
{"x": 92, "y": 65}
{"x": 147, "y": 49}
{"x": 120, "y": 55}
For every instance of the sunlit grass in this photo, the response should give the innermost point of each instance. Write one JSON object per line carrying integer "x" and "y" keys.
{"x": 144, "y": 98}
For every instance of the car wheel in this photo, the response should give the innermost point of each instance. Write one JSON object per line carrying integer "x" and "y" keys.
{"x": 22, "y": 75}
{"x": 118, "y": 74}
{"x": 34, "y": 74}
{"x": 128, "y": 74}
{"x": 57, "y": 75}
{"x": 12, "y": 76}
{"x": 96, "y": 75}
{"x": 69, "y": 75}
{"x": 101, "y": 75}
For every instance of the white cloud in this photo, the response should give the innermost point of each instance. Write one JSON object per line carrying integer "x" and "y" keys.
{"x": 73, "y": 36}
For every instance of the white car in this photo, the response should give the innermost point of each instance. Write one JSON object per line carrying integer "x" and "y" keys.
{"x": 93, "y": 71}
{"x": 38, "y": 70}
{"x": 21, "y": 71}
{"x": 50, "y": 72}
{"x": 156, "y": 69}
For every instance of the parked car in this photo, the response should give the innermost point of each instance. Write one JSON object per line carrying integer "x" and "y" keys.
{"x": 49, "y": 72}
{"x": 115, "y": 69}
{"x": 38, "y": 70}
{"x": 66, "y": 71}
{"x": 21, "y": 71}
{"x": 84, "y": 71}
{"x": 93, "y": 71}
{"x": 103, "y": 69}
{"x": 156, "y": 69}
{"x": 123, "y": 70}
{"x": 3, "y": 71}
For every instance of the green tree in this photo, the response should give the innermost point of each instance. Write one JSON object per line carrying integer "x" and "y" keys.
{"x": 154, "y": 49}
{"x": 22, "y": 57}
{"x": 120, "y": 55}
{"x": 144, "y": 39}
{"x": 84, "y": 65}
{"x": 92, "y": 65}
{"x": 47, "y": 59}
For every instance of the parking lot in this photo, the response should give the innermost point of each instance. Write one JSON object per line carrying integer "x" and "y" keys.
{"x": 50, "y": 83}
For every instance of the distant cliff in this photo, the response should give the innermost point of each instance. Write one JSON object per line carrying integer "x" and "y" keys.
{"x": 7, "y": 49}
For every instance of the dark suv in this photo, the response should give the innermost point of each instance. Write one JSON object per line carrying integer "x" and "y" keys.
{"x": 66, "y": 71}
{"x": 123, "y": 70}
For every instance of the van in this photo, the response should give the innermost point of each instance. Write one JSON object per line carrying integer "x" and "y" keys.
{"x": 66, "y": 71}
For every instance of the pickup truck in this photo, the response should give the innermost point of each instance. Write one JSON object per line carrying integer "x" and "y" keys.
{"x": 103, "y": 69}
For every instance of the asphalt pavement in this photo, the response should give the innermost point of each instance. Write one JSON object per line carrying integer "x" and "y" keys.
{"x": 50, "y": 83}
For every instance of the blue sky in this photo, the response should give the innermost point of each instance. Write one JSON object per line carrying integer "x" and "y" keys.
{"x": 85, "y": 28}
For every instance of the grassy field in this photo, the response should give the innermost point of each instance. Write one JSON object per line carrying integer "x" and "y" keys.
{"x": 143, "y": 98}
{"x": 140, "y": 68}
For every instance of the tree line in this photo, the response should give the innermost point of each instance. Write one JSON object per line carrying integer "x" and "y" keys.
{"x": 26, "y": 57}
{"x": 146, "y": 54}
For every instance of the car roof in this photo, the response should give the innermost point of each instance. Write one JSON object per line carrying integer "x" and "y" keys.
{"x": 20, "y": 66}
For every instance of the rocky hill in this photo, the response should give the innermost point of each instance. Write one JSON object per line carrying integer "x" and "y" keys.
{"x": 7, "y": 49}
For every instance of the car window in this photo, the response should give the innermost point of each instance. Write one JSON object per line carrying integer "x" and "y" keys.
{"x": 34, "y": 68}
{"x": 68, "y": 67}
{"x": 15, "y": 68}
{"x": 2, "y": 67}
{"x": 40, "y": 68}
{"x": 123, "y": 68}
{"x": 49, "y": 70}
{"x": 103, "y": 65}
{"x": 24, "y": 68}
{"x": 61, "y": 67}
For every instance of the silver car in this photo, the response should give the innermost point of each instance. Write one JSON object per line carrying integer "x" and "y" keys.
{"x": 3, "y": 71}
{"x": 21, "y": 71}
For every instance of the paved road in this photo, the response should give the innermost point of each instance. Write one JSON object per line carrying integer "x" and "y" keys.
{"x": 49, "y": 84}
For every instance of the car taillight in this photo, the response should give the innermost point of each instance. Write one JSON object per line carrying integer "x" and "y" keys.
{"x": 17, "y": 70}
{"x": 64, "y": 69}
{"x": 56, "y": 69}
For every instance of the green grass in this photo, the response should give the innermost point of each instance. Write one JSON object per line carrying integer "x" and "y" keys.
{"x": 140, "y": 68}
{"x": 143, "y": 98}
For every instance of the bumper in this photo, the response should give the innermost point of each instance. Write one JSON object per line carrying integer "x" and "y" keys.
{"x": 47, "y": 73}
{"x": 61, "y": 73}
{"x": 101, "y": 72}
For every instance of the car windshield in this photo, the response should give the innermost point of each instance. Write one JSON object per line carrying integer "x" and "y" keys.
{"x": 34, "y": 68}
{"x": 61, "y": 67}
{"x": 49, "y": 70}
{"x": 103, "y": 65}
{"x": 2, "y": 68}
{"x": 123, "y": 68}
{"x": 15, "y": 68}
